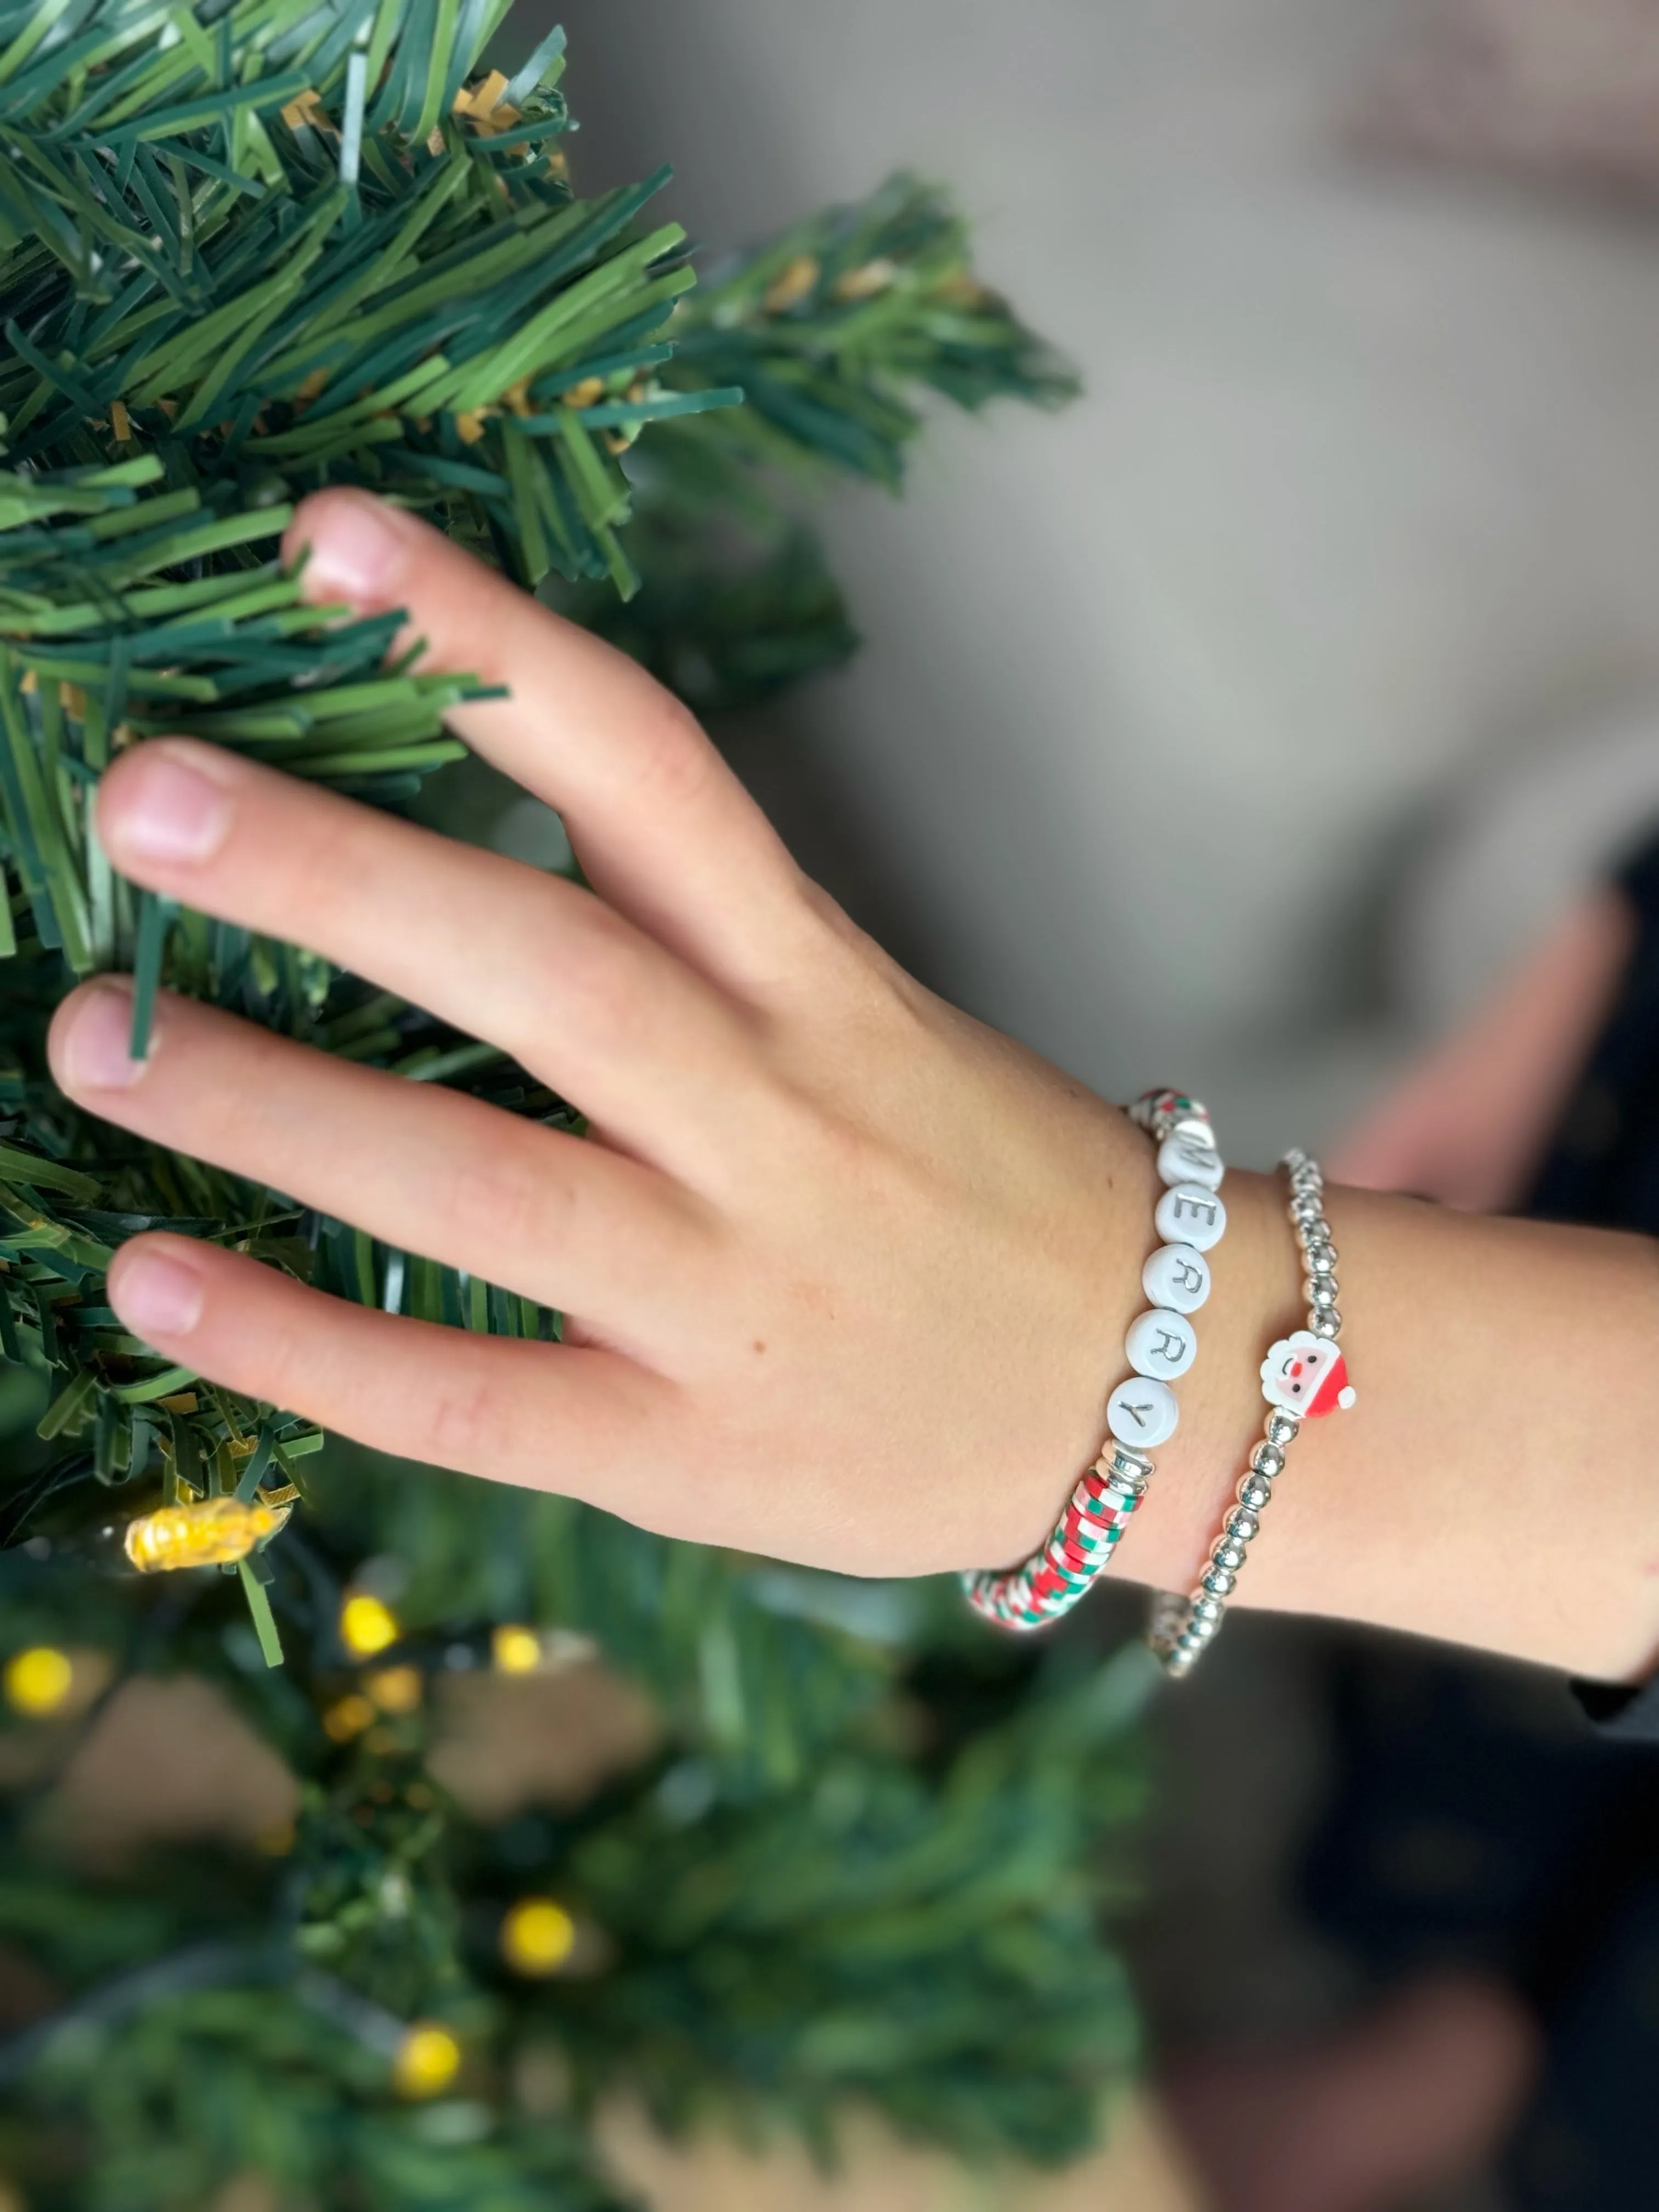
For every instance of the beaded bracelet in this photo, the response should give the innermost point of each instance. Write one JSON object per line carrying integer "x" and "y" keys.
{"x": 1303, "y": 1377}
{"x": 1141, "y": 1413}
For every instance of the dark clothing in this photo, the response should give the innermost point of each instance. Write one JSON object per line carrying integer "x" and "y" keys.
{"x": 1477, "y": 1821}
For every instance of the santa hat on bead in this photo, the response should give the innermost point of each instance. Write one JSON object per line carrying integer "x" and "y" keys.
{"x": 1307, "y": 1375}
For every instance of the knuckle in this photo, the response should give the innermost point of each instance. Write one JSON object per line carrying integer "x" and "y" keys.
{"x": 509, "y": 1186}
{"x": 671, "y": 762}
{"x": 594, "y": 976}
{"x": 464, "y": 1424}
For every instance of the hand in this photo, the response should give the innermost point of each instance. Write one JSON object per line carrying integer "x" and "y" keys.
{"x": 1470, "y": 1125}
{"x": 847, "y": 1274}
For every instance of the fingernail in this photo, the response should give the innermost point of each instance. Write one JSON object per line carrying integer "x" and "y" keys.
{"x": 160, "y": 810}
{"x": 357, "y": 552}
{"x": 156, "y": 1296}
{"x": 95, "y": 1051}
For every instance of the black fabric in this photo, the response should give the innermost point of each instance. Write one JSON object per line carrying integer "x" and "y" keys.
{"x": 1475, "y": 1819}
{"x": 1625, "y": 1713}
{"x": 1603, "y": 1169}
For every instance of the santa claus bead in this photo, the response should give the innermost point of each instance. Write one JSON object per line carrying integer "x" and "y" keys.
{"x": 1267, "y": 1459}
{"x": 1254, "y": 1491}
{"x": 1183, "y": 1158}
{"x": 1189, "y": 1213}
{"x": 1177, "y": 1275}
{"x": 1142, "y": 1412}
{"x": 1163, "y": 1344}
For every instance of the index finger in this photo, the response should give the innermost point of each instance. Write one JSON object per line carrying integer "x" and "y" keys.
{"x": 664, "y": 829}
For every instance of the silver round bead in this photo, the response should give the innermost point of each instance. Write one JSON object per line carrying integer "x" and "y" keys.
{"x": 1326, "y": 1322}
{"x": 1220, "y": 1582}
{"x": 1321, "y": 1259}
{"x": 1242, "y": 1521}
{"x": 1229, "y": 1552}
{"x": 1255, "y": 1491}
{"x": 1205, "y": 1607}
{"x": 1267, "y": 1459}
{"x": 1280, "y": 1427}
{"x": 1322, "y": 1290}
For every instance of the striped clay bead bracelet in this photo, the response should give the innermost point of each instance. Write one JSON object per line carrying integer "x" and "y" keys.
{"x": 1141, "y": 1413}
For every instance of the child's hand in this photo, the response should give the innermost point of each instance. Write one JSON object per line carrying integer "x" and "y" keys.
{"x": 847, "y": 1274}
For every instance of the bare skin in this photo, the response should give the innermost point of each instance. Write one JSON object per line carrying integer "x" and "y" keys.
{"x": 1469, "y": 1124}
{"x": 851, "y": 1272}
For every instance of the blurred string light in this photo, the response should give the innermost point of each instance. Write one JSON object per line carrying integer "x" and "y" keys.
{"x": 396, "y": 1689}
{"x": 515, "y": 1649}
{"x": 367, "y": 1625}
{"x": 37, "y": 1682}
{"x": 538, "y": 1936}
{"x": 427, "y": 2061}
{"x": 349, "y": 1717}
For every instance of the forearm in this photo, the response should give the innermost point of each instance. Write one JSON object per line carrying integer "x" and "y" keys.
{"x": 1497, "y": 1483}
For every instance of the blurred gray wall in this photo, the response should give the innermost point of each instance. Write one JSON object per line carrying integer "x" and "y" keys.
{"x": 1160, "y": 695}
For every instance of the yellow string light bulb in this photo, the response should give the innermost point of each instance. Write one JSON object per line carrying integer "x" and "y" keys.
{"x": 516, "y": 1650}
{"x": 538, "y": 1936}
{"x": 428, "y": 2060}
{"x": 396, "y": 1689}
{"x": 350, "y": 1717}
{"x": 367, "y": 1625}
{"x": 209, "y": 1532}
{"x": 38, "y": 1681}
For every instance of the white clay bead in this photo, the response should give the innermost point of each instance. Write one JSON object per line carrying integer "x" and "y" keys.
{"x": 1183, "y": 1157}
{"x": 1177, "y": 1275}
{"x": 1190, "y": 1214}
{"x": 1143, "y": 1413}
{"x": 1161, "y": 1345}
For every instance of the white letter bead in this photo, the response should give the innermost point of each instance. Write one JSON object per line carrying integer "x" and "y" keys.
{"x": 1187, "y": 1158}
{"x": 1177, "y": 1275}
{"x": 1190, "y": 1214}
{"x": 1142, "y": 1411}
{"x": 1163, "y": 1345}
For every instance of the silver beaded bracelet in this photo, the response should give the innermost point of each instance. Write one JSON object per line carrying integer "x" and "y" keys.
{"x": 1303, "y": 1377}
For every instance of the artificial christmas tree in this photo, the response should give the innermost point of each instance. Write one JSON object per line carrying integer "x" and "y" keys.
{"x": 249, "y": 250}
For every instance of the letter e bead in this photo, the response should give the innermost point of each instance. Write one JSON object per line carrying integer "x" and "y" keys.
{"x": 1189, "y": 1214}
